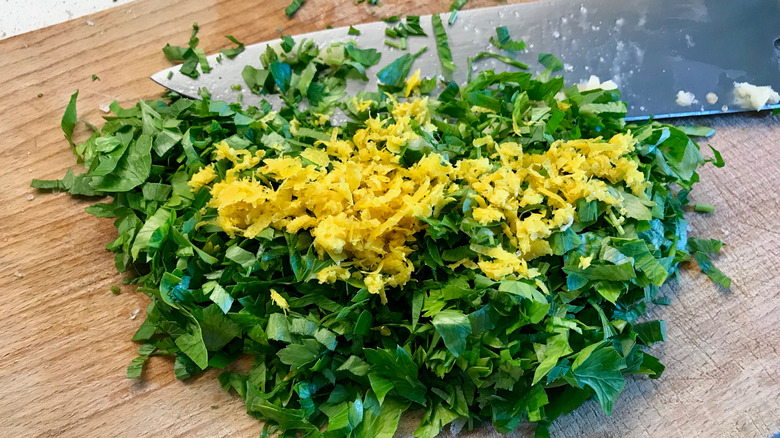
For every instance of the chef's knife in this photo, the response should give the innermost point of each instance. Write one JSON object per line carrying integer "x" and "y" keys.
{"x": 652, "y": 49}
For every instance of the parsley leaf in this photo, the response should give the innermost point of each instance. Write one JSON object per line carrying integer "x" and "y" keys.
{"x": 396, "y": 72}
{"x": 232, "y": 53}
{"x": 697, "y": 131}
{"x": 505, "y": 59}
{"x": 442, "y": 44}
{"x": 598, "y": 367}
{"x": 453, "y": 326}
{"x": 68, "y": 122}
{"x": 337, "y": 357}
{"x": 502, "y": 40}
{"x": 550, "y": 61}
{"x": 455, "y": 6}
{"x": 192, "y": 56}
{"x": 703, "y": 260}
{"x": 293, "y": 7}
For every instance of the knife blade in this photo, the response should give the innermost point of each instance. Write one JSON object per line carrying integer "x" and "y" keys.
{"x": 651, "y": 49}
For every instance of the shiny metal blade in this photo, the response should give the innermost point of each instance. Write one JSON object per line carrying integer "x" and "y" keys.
{"x": 651, "y": 48}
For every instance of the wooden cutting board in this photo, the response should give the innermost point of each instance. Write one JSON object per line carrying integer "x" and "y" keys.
{"x": 66, "y": 338}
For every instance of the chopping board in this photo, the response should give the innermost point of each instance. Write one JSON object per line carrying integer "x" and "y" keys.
{"x": 66, "y": 338}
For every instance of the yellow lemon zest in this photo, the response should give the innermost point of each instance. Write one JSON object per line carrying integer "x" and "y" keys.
{"x": 316, "y": 156}
{"x": 413, "y": 83}
{"x": 320, "y": 119}
{"x": 361, "y": 105}
{"x": 482, "y": 109}
{"x": 295, "y": 124}
{"x": 363, "y": 208}
{"x": 468, "y": 263}
{"x": 332, "y": 273}
{"x": 279, "y": 301}
{"x": 202, "y": 177}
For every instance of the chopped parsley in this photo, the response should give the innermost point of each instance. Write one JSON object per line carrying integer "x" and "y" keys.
{"x": 442, "y": 44}
{"x": 485, "y": 255}
{"x": 454, "y": 8}
{"x": 502, "y": 40}
{"x": 411, "y": 27}
{"x": 293, "y": 7}
{"x": 550, "y": 61}
{"x": 191, "y": 56}
{"x": 233, "y": 52}
{"x": 403, "y": 30}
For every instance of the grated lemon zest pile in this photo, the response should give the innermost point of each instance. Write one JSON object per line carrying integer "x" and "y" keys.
{"x": 362, "y": 207}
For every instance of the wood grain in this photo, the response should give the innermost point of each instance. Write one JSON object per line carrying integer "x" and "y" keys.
{"x": 65, "y": 337}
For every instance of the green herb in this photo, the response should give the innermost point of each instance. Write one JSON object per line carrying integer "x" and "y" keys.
{"x": 502, "y": 40}
{"x": 353, "y": 31}
{"x": 708, "y": 246}
{"x": 708, "y": 268}
{"x": 703, "y": 208}
{"x": 364, "y": 57}
{"x": 697, "y": 131}
{"x": 115, "y": 290}
{"x": 411, "y": 27}
{"x": 68, "y": 122}
{"x": 232, "y": 53}
{"x": 455, "y": 6}
{"x": 293, "y": 7}
{"x": 718, "y": 160}
{"x": 191, "y": 57}
{"x": 333, "y": 359}
{"x": 550, "y": 61}
{"x": 396, "y": 72}
{"x": 776, "y": 111}
{"x": 174, "y": 53}
{"x": 95, "y": 78}
{"x": 442, "y": 44}
{"x": 287, "y": 41}
{"x": 505, "y": 59}
{"x": 170, "y": 75}
{"x": 40, "y": 95}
